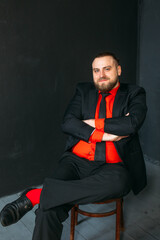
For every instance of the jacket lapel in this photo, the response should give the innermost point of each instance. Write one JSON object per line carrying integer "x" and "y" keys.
{"x": 120, "y": 101}
{"x": 93, "y": 101}
{"x": 90, "y": 103}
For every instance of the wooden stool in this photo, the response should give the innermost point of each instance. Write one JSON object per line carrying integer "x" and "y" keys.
{"x": 118, "y": 211}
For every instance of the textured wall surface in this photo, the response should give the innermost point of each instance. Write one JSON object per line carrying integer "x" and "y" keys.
{"x": 149, "y": 76}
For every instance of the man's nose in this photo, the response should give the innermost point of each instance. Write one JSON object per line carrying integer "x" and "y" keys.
{"x": 102, "y": 73}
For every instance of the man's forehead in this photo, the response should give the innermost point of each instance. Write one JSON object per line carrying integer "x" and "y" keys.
{"x": 103, "y": 61}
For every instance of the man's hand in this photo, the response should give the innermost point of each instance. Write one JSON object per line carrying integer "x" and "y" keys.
{"x": 90, "y": 122}
{"x": 112, "y": 137}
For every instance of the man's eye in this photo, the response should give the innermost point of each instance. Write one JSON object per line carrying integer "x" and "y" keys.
{"x": 96, "y": 70}
{"x": 107, "y": 69}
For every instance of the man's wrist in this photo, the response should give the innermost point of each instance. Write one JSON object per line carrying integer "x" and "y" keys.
{"x": 105, "y": 137}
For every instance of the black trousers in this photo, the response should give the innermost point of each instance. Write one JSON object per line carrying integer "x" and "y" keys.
{"x": 76, "y": 181}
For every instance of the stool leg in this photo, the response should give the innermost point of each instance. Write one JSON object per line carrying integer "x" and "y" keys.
{"x": 118, "y": 218}
{"x": 122, "y": 219}
{"x": 76, "y": 214}
{"x": 72, "y": 223}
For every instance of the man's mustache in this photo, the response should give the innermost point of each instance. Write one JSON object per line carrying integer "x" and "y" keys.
{"x": 103, "y": 78}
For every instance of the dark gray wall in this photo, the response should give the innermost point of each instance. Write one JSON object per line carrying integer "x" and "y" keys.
{"x": 46, "y": 47}
{"x": 149, "y": 76}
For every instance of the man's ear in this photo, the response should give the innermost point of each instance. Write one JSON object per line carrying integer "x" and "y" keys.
{"x": 119, "y": 69}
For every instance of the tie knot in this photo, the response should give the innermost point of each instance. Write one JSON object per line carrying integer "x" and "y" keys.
{"x": 104, "y": 95}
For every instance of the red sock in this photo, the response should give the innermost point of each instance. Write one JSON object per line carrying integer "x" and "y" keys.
{"x": 34, "y": 196}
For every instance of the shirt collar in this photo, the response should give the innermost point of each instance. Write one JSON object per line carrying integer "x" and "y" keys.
{"x": 114, "y": 90}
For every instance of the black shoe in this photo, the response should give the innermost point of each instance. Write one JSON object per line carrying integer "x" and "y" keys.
{"x": 15, "y": 210}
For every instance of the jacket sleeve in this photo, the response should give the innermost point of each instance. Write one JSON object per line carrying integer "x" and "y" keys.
{"x": 72, "y": 122}
{"x": 127, "y": 125}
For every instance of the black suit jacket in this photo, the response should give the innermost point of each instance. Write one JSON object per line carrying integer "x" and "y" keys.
{"x": 129, "y": 99}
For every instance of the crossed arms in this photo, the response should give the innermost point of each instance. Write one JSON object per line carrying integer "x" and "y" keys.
{"x": 106, "y": 136}
{"x": 115, "y": 128}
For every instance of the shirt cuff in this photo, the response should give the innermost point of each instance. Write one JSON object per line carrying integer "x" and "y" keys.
{"x": 96, "y": 136}
{"x": 99, "y": 124}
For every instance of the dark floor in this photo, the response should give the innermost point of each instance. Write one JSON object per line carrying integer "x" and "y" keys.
{"x": 141, "y": 215}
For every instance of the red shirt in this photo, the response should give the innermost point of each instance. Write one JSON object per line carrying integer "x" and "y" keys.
{"x": 87, "y": 149}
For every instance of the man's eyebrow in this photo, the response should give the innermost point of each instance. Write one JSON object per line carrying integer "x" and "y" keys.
{"x": 95, "y": 68}
{"x": 107, "y": 66}
{"x": 103, "y": 67}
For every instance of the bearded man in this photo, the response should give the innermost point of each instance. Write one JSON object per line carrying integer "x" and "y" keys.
{"x": 103, "y": 158}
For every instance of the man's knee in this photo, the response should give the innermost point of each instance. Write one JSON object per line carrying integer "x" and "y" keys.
{"x": 116, "y": 180}
{"x": 66, "y": 170}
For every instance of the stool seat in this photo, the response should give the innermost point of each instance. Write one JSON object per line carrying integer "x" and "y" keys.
{"x": 118, "y": 211}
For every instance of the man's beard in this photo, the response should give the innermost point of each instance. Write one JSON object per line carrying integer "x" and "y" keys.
{"x": 106, "y": 86}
